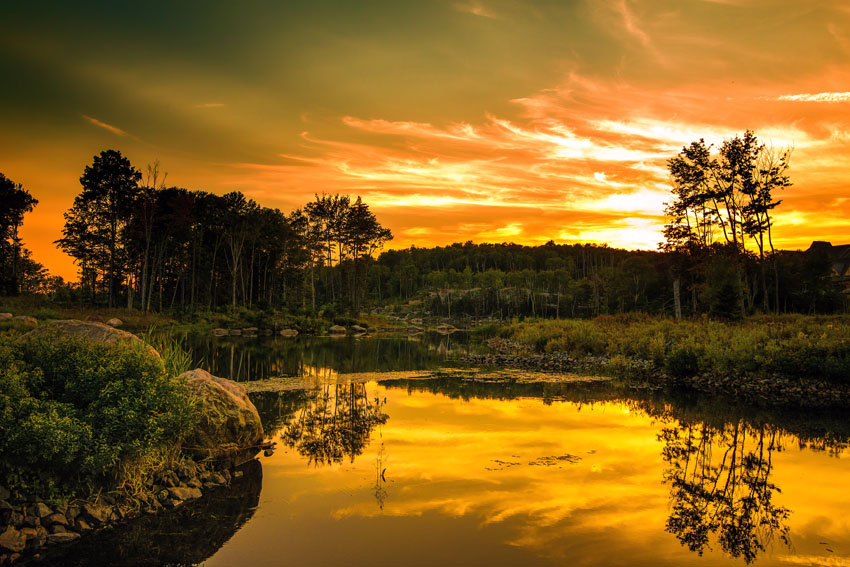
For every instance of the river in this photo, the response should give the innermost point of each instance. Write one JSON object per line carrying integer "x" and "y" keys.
{"x": 453, "y": 471}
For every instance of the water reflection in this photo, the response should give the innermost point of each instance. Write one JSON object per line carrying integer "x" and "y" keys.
{"x": 720, "y": 486}
{"x": 187, "y": 535}
{"x": 334, "y": 421}
{"x": 257, "y": 358}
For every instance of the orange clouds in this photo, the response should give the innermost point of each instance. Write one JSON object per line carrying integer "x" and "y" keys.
{"x": 584, "y": 161}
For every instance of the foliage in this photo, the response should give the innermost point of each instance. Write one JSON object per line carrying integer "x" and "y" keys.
{"x": 791, "y": 346}
{"x": 18, "y": 272}
{"x": 74, "y": 411}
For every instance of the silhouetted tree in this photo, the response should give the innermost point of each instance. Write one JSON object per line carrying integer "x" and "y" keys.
{"x": 97, "y": 218}
{"x": 15, "y": 202}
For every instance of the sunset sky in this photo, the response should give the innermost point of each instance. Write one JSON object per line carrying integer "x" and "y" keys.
{"x": 483, "y": 120}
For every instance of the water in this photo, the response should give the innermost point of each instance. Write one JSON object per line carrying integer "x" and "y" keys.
{"x": 243, "y": 358}
{"x": 455, "y": 472}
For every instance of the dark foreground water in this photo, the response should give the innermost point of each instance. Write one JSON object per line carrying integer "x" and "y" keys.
{"x": 453, "y": 472}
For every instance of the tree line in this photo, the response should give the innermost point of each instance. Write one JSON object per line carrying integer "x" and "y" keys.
{"x": 143, "y": 244}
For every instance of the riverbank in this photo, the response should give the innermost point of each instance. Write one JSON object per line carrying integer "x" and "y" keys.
{"x": 784, "y": 360}
{"x": 42, "y": 309}
{"x": 99, "y": 428}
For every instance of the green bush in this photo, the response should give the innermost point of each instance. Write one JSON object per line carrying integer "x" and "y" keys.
{"x": 73, "y": 410}
{"x": 681, "y": 362}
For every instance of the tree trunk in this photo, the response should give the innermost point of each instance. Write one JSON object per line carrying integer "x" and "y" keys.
{"x": 677, "y": 300}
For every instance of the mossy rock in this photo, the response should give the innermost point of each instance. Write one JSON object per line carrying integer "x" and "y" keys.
{"x": 229, "y": 427}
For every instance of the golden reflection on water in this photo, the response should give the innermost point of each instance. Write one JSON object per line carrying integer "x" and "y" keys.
{"x": 506, "y": 482}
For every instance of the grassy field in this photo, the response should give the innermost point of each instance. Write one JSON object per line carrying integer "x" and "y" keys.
{"x": 791, "y": 346}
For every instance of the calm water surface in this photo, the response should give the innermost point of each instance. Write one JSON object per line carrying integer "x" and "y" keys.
{"x": 449, "y": 472}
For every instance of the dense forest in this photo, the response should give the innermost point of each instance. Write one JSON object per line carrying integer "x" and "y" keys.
{"x": 145, "y": 245}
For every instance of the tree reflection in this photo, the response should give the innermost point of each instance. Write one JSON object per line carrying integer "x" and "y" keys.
{"x": 720, "y": 486}
{"x": 336, "y": 421}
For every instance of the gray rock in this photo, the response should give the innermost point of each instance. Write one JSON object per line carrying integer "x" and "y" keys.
{"x": 358, "y": 329}
{"x": 288, "y": 333}
{"x": 95, "y": 332}
{"x": 26, "y": 319}
{"x": 82, "y": 526}
{"x": 29, "y": 533}
{"x": 57, "y": 518}
{"x": 32, "y": 521}
{"x": 97, "y": 512}
{"x": 337, "y": 329}
{"x": 56, "y": 528}
{"x": 12, "y": 540}
{"x": 184, "y": 493}
{"x": 229, "y": 426}
{"x": 115, "y": 322}
{"x": 62, "y": 537}
{"x": 39, "y": 510}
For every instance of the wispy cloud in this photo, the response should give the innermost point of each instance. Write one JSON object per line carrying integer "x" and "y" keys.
{"x": 475, "y": 8}
{"x": 105, "y": 126}
{"x": 589, "y": 154}
{"x": 817, "y": 97}
{"x": 631, "y": 24}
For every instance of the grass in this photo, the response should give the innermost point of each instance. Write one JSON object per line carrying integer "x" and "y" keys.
{"x": 793, "y": 346}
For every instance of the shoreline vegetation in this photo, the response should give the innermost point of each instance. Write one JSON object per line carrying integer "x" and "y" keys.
{"x": 786, "y": 360}
{"x": 98, "y": 427}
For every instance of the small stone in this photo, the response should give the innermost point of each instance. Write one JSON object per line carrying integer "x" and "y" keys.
{"x": 217, "y": 478}
{"x": 82, "y": 526}
{"x": 219, "y": 332}
{"x": 57, "y": 528}
{"x": 63, "y": 537}
{"x": 96, "y": 512}
{"x": 237, "y": 474}
{"x": 194, "y": 483}
{"x": 39, "y": 510}
{"x": 13, "y": 540}
{"x": 31, "y": 521}
{"x": 56, "y": 518}
{"x": 337, "y": 329}
{"x": 29, "y": 533}
{"x": 288, "y": 333}
{"x": 115, "y": 322}
{"x": 181, "y": 493}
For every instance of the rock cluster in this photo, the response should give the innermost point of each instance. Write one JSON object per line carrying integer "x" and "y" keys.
{"x": 26, "y": 528}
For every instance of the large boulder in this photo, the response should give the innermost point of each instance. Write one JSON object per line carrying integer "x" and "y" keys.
{"x": 115, "y": 322}
{"x": 91, "y": 330}
{"x": 229, "y": 428}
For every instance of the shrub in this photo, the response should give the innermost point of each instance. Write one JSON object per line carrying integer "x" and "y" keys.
{"x": 681, "y": 362}
{"x": 73, "y": 410}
